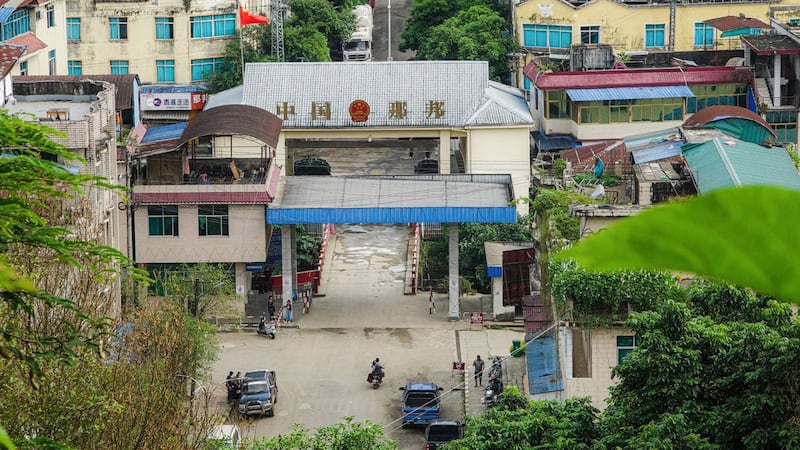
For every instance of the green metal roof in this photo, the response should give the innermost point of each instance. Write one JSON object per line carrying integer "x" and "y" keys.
{"x": 723, "y": 162}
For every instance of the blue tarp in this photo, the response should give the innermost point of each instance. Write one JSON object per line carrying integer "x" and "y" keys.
{"x": 666, "y": 149}
{"x": 551, "y": 143}
{"x": 544, "y": 372}
{"x": 164, "y": 133}
{"x": 629, "y": 93}
{"x": 294, "y": 216}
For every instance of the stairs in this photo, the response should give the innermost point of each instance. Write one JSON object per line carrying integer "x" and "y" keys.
{"x": 763, "y": 95}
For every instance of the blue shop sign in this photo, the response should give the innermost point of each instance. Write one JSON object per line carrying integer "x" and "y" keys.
{"x": 255, "y": 267}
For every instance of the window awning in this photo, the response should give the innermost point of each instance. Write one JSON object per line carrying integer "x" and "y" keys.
{"x": 628, "y": 93}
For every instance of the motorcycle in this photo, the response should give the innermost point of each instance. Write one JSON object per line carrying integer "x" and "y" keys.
{"x": 492, "y": 391}
{"x": 266, "y": 328}
{"x": 375, "y": 377}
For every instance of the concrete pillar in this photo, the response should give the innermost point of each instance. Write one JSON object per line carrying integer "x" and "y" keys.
{"x": 444, "y": 151}
{"x": 453, "y": 310}
{"x": 747, "y": 56}
{"x": 242, "y": 286}
{"x": 288, "y": 261}
{"x": 776, "y": 81}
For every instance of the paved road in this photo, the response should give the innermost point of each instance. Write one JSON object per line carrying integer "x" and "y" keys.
{"x": 322, "y": 361}
{"x": 380, "y": 45}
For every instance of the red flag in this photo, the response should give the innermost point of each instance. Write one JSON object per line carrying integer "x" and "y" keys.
{"x": 248, "y": 18}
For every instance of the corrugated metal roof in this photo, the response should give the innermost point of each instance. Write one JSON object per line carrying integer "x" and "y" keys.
{"x": 164, "y": 133}
{"x": 402, "y": 93}
{"x": 735, "y": 23}
{"x": 501, "y": 105}
{"x": 663, "y": 150}
{"x": 729, "y": 162}
{"x": 398, "y": 199}
{"x": 235, "y": 119}
{"x": 667, "y": 76}
{"x": 232, "y": 96}
{"x": 199, "y": 198}
{"x": 169, "y": 89}
{"x": 125, "y": 85}
{"x": 722, "y": 112}
{"x": 629, "y": 93}
{"x": 166, "y": 115}
{"x": 544, "y": 373}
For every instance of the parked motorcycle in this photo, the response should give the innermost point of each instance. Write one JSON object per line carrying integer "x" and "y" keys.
{"x": 492, "y": 391}
{"x": 266, "y": 328}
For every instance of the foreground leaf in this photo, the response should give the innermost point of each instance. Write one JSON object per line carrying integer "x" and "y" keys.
{"x": 744, "y": 235}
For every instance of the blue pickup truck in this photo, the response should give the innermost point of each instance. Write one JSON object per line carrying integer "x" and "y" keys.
{"x": 421, "y": 403}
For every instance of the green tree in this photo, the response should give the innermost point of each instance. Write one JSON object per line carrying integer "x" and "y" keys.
{"x": 515, "y": 423}
{"x": 303, "y": 43}
{"x": 426, "y": 15}
{"x": 348, "y": 435}
{"x": 320, "y": 15}
{"x": 475, "y": 34}
{"x": 471, "y": 250}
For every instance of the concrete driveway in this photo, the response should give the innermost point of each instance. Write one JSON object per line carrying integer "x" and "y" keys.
{"x": 322, "y": 360}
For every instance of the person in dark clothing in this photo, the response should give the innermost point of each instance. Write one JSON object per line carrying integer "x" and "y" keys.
{"x": 229, "y": 385}
{"x": 478, "y": 364}
{"x": 271, "y": 308}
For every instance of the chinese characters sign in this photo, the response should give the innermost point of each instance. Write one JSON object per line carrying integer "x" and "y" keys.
{"x": 359, "y": 110}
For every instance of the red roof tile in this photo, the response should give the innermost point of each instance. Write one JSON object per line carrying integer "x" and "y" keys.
{"x": 668, "y": 76}
{"x": 9, "y": 55}
{"x": 32, "y": 43}
{"x": 728, "y": 23}
{"x": 197, "y": 198}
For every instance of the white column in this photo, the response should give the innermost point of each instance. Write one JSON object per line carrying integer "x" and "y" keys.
{"x": 776, "y": 81}
{"x": 444, "y": 151}
{"x": 453, "y": 310}
{"x": 288, "y": 267}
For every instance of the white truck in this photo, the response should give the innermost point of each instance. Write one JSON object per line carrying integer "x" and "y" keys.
{"x": 359, "y": 46}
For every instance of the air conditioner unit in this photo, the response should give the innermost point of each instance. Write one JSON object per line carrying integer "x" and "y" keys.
{"x": 39, "y": 15}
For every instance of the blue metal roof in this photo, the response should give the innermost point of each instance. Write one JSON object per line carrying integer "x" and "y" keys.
{"x": 547, "y": 143}
{"x": 164, "y": 133}
{"x": 5, "y": 13}
{"x": 152, "y": 89}
{"x": 629, "y": 93}
{"x": 544, "y": 373}
{"x": 666, "y": 149}
{"x": 478, "y": 214}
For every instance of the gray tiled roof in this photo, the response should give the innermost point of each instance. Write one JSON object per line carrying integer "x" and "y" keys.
{"x": 460, "y": 86}
{"x": 501, "y": 105}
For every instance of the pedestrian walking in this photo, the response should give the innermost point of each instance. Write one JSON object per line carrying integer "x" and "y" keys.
{"x": 478, "y": 364}
{"x": 288, "y": 311}
{"x": 271, "y": 308}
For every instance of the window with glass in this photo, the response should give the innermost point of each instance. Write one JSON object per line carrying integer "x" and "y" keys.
{"x": 164, "y": 28}
{"x": 590, "y": 34}
{"x": 23, "y": 68}
{"x": 51, "y": 16}
{"x": 217, "y": 25}
{"x": 654, "y": 35}
{"x": 785, "y": 125}
{"x": 703, "y": 35}
{"x": 625, "y": 345}
{"x": 657, "y": 109}
{"x": 212, "y": 220}
{"x": 202, "y": 67}
{"x": 162, "y": 220}
{"x": 73, "y": 28}
{"x": 549, "y": 36}
{"x": 51, "y": 61}
{"x": 557, "y": 106}
{"x": 716, "y": 94}
{"x": 165, "y": 70}
{"x": 17, "y": 23}
{"x": 119, "y": 67}
{"x": 118, "y": 27}
{"x": 74, "y": 68}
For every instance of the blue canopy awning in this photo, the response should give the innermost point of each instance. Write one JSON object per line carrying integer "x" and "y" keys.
{"x": 549, "y": 143}
{"x": 629, "y": 93}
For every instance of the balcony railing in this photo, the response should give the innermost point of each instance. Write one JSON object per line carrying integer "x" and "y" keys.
{"x": 173, "y": 171}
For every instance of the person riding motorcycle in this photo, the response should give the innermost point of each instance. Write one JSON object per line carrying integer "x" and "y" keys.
{"x": 377, "y": 369}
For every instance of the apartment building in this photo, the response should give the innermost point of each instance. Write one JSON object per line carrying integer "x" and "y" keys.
{"x": 37, "y": 25}
{"x": 163, "y": 41}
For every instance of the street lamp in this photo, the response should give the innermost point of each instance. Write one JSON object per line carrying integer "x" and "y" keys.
{"x": 389, "y": 13}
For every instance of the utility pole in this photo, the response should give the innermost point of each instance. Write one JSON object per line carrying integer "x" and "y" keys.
{"x": 194, "y": 309}
{"x": 389, "y": 12}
